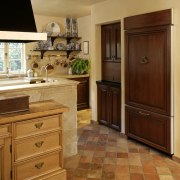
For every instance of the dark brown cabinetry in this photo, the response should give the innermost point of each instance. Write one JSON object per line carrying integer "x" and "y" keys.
{"x": 148, "y": 127}
{"x": 111, "y": 55}
{"x": 109, "y": 89}
{"x": 82, "y": 93}
{"x": 148, "y": 79}
{"x": 109, "y": 104}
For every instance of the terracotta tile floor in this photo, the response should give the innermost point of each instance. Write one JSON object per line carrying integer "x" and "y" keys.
{"x": 105, "y": 154}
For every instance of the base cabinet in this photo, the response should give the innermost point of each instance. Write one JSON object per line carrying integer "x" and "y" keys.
{"x": 82, "y": 93}
{"x": 38, "y": 150}
{"x": 32, "y": 148}
{"x": 5, "y": 153}
{"x": 109, "y": 104}
{"x": 150, "y": 128}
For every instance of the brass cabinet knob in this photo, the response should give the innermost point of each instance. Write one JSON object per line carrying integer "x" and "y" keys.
{"x": 39, "y": 144}
{"x": 39, "y": 165}
{"x": 38, "y": 125}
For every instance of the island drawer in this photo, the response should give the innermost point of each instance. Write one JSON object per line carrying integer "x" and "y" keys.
{"x": 5, "y": 129}
{"x": 59, "y": 175}
{"x": 38, "y": 166}
{"x": 36, "y": 126}
{"x": 34, "y": 146}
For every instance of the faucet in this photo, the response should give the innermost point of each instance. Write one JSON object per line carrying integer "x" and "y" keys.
{"x": 44, "y": 67}
{"x": 8, "y": 72}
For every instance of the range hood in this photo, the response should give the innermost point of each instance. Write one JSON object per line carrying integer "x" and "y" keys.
{"x": 17, "y": 23}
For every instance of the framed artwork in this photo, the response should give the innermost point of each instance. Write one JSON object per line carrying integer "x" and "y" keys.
{"x": 86, "y": 47}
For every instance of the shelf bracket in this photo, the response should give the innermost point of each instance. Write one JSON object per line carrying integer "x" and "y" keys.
{"x": 42, "y": 53}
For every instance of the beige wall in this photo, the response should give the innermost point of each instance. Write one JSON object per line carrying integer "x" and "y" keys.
{"x": 41, "y": 22}
{"x": 84, "y": 31}
{"x": 116, "y": 10}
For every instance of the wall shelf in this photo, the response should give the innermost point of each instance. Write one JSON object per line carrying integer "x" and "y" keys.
{"x": 42, "y": 51}
{"x": 68, "y": 51}
{"x": 68, "y": 39}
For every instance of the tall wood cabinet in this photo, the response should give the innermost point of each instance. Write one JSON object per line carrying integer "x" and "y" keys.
{"x": 148, "y": 79}
{"x": 109, "y": 88}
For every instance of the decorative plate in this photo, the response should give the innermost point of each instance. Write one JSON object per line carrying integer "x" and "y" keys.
{"x": 53, "y": 27}
{"x": 60, "y": 46}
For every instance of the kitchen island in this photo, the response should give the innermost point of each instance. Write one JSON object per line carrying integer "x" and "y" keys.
{"x": 62, "y": 91}
{"x": 31, "y": 142}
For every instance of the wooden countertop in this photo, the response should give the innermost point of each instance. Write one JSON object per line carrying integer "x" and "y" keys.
{"x": 36, "y": 110}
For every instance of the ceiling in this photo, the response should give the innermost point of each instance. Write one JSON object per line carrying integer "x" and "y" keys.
{"x": 63, "y": 8}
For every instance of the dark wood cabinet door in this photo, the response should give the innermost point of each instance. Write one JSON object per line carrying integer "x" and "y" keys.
{"x": 111, "y": 72}
{"x": 116, "y": 42}
{"x": 107, "y": 42}
{"x": 111, "y": 52}
{"x": 82, "y": 93}
{"x": 103, "y": 104}
{"x": 148, "y": 69}
{"x": 150, "y": 128}
{"x": 115, "y": 113}
{"x": 109, "y": 104}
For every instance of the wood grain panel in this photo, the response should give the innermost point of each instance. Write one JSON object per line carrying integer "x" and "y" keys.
{"x": 148, "y": 84}
{"x": 5, "y": 158}
{"x": 103, "y": 104}
{"x": 150, "y": 128}
{"x": 115, "y": 116}
{"x": 82, "y": 93}
{"x": 35, "y": 146}
{"x": 157, "y": 18}
{"x": 111, "y": 72}
{"x": 38, "y": 166}
{"x": 36, "y": 126}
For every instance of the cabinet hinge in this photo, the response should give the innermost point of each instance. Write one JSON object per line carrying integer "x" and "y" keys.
{"x": 11, "y": 174}
{"x": 11, "y": 148}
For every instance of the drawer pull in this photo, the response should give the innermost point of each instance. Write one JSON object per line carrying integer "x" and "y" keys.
{"x": 39, "y": 144}
{"x": 38, "y": 125}
{"x": 39, "y": 165}
{"x": 143, "y": 114}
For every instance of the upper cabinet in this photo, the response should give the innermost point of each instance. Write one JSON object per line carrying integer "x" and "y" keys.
{"x": 111, "y": 52}
{"x": 111, "y": 42}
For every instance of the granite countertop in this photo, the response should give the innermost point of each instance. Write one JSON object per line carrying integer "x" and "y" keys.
{"x": 36, "y": 110}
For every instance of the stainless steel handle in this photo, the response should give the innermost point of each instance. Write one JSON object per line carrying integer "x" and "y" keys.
{"x": 143, "y": 114}
{"x": 39, "y": 144}
{"x": 38, "y": 125}
{"x": 144, "y": 60}
{"x": 39, "y": 165}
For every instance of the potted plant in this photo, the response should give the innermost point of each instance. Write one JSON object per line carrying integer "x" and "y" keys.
{"x": 80, "y": 66}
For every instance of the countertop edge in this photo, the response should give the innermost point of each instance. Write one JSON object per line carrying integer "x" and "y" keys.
{"x": 54, "y": 108}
